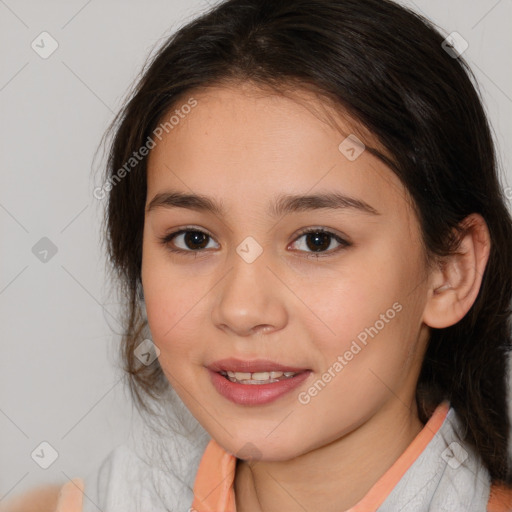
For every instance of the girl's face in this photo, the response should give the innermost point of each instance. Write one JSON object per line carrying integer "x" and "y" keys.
{"x": 245, "y": 282}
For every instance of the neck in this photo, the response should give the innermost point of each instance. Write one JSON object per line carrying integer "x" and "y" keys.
{"x": 312, "y": 481}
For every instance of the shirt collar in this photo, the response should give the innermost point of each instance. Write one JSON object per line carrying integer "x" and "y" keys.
{"x": 214, "y": 491}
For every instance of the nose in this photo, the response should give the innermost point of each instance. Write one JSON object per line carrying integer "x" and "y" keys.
{"x": 250, "y": 299}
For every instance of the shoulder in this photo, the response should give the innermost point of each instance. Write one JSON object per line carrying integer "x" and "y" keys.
{"x": 500, "y": 499}
{"x": 39, "y": 499}
{"x": 133, "y": 477}
{"x": 112, "y": 471}
{"x": 114, "y": 478}
{"x": 125, "y": 481}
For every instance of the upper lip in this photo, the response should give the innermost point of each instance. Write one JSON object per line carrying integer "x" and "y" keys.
{"x": 256, "y": 365}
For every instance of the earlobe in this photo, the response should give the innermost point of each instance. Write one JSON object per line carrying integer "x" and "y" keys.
{"x": 456, "y": 282}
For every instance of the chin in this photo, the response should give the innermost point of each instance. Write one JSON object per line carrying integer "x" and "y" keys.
{"x": 259, "y": 448}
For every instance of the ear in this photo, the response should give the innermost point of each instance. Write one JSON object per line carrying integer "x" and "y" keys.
{"x": 455, "y": 284}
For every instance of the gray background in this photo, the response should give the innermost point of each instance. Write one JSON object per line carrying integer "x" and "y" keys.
{"x": 59, "y": 376}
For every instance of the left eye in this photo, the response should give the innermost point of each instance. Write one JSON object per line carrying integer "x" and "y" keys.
{"x": 190, "y": 238}
{"x": 319, "y": 240}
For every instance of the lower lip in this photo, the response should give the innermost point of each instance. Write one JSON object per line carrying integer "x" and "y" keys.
{"x": 255, "y": 394}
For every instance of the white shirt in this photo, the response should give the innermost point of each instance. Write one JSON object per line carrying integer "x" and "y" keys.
{"x": 447, "y": 476}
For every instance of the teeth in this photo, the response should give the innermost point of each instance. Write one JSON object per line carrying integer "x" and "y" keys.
{"x": 260, "y": 376}
{"x": 240, "y": 375}
{"x": 256, "y": 377}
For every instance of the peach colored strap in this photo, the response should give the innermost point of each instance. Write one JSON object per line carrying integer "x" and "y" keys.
{"x": 383, "y": 487}
{"x": 213, "y": 487}
{"x": 500, "y": 499}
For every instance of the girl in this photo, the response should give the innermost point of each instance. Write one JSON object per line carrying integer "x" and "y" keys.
{"x": 305, "y": 212}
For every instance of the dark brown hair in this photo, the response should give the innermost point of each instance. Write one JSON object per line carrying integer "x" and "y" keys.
{"x": 386, "y": 67}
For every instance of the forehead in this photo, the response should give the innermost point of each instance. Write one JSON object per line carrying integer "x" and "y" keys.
{"x": 247, "y": 142}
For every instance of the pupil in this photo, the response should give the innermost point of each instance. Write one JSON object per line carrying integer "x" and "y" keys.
{"x": 197, "y": 238}
{"x": 318, "y": 238}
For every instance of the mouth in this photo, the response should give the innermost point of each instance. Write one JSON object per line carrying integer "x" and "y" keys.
{"x": 255, "y": 382}
{"x": 256, "y": 370}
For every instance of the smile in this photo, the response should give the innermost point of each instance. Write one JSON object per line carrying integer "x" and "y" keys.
{"x": 257, "y": 377}
{"x": 256, "y": 388}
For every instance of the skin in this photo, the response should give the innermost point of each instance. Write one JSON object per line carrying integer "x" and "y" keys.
{"x": 70, "y": 498}
{"x": 52, "y": 498}
{"x": 243, "y": 146}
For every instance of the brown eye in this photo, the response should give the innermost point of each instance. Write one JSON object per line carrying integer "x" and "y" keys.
{"x": 319, "y": 241}
{"x": 186, "y": 240}
{"x": 195, "y": 239}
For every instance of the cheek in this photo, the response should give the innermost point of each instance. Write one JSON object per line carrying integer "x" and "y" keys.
{"x": 172, "y": 301}
{"x": 172, "y": 314}
{"x": 371, "y": 312}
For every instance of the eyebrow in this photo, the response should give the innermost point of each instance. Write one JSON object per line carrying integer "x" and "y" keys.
{"x": 281, "y": 205}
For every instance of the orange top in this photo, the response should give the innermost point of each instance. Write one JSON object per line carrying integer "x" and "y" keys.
{"x": 214, "y": 492}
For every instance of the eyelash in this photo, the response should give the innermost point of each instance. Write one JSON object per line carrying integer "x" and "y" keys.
{"x": 167, "y": 239}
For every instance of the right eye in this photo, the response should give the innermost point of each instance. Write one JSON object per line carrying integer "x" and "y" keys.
{"x": 191, "y": 240}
